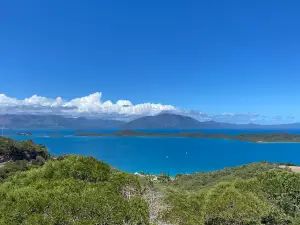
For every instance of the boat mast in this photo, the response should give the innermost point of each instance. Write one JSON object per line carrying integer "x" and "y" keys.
{"x": 2, "y": 128}
{"x": 2, "y": 120}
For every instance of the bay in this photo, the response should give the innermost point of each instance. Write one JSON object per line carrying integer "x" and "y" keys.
{"x": 169, "y": 155}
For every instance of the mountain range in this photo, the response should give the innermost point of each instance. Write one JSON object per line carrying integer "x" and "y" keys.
{"x": 55, "y": 121}
{"x": 174, "y": 121}
{"x": 160, "y": 121}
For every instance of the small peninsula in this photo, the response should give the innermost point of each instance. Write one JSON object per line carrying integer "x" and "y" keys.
{"x": 257, "y": 138}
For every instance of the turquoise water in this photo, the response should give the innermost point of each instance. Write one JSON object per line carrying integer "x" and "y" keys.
{"x": 173, "y": 155}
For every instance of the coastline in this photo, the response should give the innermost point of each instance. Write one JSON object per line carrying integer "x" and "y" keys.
{"x": 277, "y": 142}
{"x": 259, "y": 138}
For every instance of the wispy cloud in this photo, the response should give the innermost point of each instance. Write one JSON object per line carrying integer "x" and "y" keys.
{"x": 227, "y": 115}
{"x": 252, "y": 115}
{"x": 278, "y": 118}
{"x": 290, "y": 118}
{"x": 192, "y": 113}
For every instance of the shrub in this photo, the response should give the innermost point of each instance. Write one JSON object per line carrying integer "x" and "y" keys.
{"x": 10, "y": 168}
{"x": 76, "y": 190}
{"x": 39, "y": 161}
{"x": 15, "y": 150}
{"x": 283, "y": 189}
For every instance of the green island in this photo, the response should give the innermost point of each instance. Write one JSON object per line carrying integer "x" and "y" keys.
{"x": 39, "y": 188}
{"x": 258, "y": 138}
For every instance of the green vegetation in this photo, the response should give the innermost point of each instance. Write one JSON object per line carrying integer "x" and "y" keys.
{"x": 235, "y": 196}
{"x": 24, "y": 150}
{"x": 65, "y": 190}
{"x": 72, "y": 189}
{"x": 10, "y": 168}
{"x": 20, "y": 156}
{"x": 206, "y": 179}
{"x": 273, "y": 137}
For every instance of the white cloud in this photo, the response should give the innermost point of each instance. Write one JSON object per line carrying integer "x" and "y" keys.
{"x": 93, "y": 106}
{"x": 4, "y": 100}
{"x": 237, "y": 117}
{"x": 277, "y": 118}
{"x": 42, "y": 101}
{"x": 88, "y": 105}
{"x": 225, "y": 114}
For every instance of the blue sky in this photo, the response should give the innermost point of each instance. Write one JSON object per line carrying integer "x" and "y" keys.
{"x": 235, "y": 57}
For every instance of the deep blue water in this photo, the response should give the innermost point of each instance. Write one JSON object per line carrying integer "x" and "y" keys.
{"x": 173, "y": 155}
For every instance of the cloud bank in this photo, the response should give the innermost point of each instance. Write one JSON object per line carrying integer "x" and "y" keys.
{"x": 90, "y": 105}
{"x": 93, "y": 106}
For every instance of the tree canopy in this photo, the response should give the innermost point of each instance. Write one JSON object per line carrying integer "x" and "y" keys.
{"x": 24, "y": 150}
{"x": 74, "y": 190}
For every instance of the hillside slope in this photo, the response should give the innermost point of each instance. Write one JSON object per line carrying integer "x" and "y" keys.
{"x": 163, "y": 121}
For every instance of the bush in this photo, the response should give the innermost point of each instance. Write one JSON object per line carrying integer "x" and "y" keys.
{"x": 230, "y": 205}
{"x": 39, "y": 161}
{"x": 271, "y": 198}
{"x": 78, "y": 167}
{"x": 283, "y": 189}
{"x": 24, "y": 150}
{"x": 197, "y": 181}
{"x": 75, "y": 190}
{"x": 10, "y": 168}
{"x": 163, "y": 178}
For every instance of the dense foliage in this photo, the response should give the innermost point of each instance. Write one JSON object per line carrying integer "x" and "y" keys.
{"x": 20, "y": 156}
{"x": 75, "y": 190}
{"x": 271, "y": 197}
{"x": 10, "y": 168}
{"x": 24, "y": 150}
{"x": 204, "y": 179}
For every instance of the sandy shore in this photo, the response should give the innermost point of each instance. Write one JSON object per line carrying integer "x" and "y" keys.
{"x": 295, "y": 169}
{"x": 277, "y": 142}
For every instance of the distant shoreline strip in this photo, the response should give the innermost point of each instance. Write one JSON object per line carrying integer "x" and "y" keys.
{"x": 254, "y": 138}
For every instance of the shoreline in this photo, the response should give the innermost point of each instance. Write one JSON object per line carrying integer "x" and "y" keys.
{"x": 252, "y": 138}
{"x": 277, "y": 142}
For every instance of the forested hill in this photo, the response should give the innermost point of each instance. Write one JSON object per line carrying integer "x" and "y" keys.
{"x": 82, "y": 190}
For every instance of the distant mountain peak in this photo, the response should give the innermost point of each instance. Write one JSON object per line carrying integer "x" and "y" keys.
{"x": 162, "y": 121}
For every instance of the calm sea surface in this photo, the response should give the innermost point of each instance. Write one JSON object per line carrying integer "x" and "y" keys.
{"x": 173, "y": 155}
